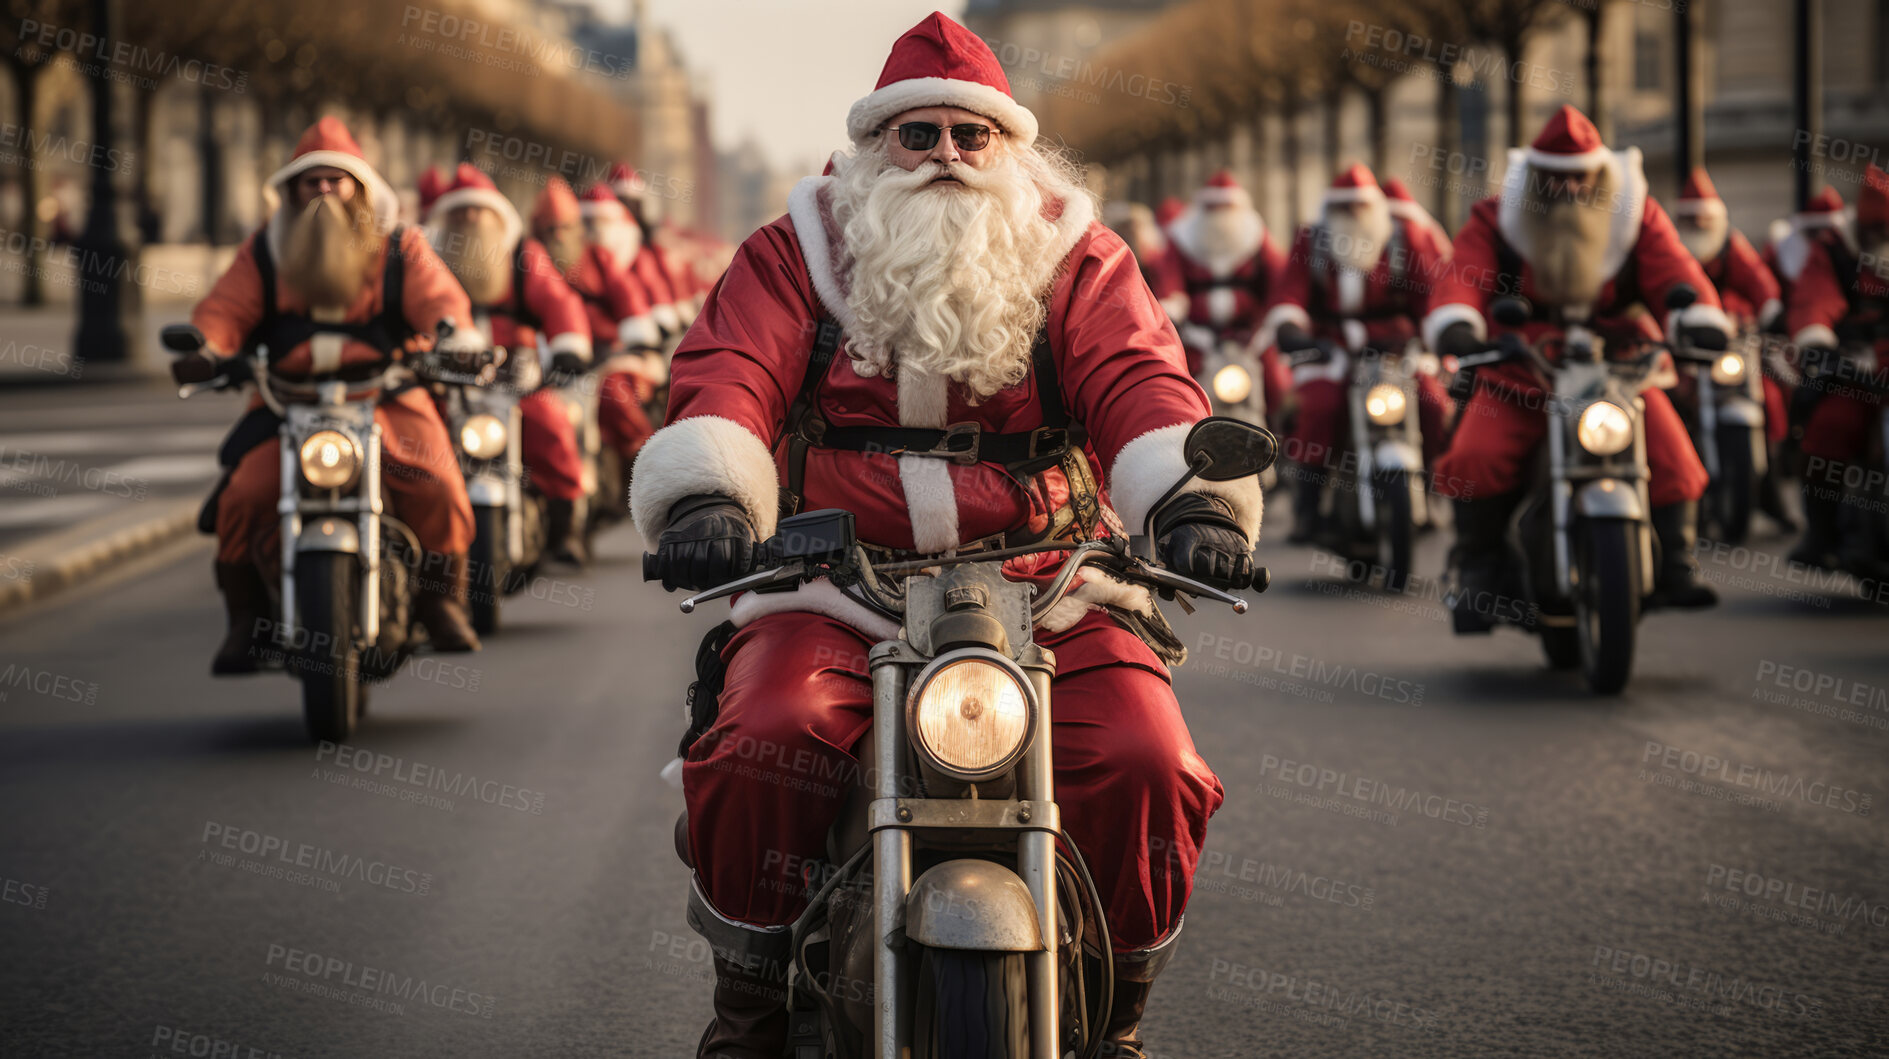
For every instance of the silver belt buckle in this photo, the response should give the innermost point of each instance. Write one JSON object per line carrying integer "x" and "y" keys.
{"x": 955, "y": 447}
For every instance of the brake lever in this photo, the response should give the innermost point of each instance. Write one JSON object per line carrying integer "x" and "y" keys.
{"x": 1167, "y": 579}
{"x": 790, "y": 572}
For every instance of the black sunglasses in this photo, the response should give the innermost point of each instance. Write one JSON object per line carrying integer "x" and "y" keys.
{"x": 923, "y": 136}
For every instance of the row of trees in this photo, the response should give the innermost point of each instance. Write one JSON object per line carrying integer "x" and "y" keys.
{"x": 1244, "y": 58}
{"x": 440, "y": 66}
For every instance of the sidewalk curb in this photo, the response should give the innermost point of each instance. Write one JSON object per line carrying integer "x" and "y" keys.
{"x": 54, "y": 574}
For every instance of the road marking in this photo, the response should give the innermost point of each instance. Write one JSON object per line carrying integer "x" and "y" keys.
{"x": 53, "y": 509}
{"x": 199, "y": 467}
{"x": 117, "y": 439}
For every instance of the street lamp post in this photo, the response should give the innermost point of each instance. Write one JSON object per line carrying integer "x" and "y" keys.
{"x": 103, "y": 301}
{"x": 1806, "y": 93}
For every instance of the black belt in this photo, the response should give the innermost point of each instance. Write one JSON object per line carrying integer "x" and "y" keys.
{"x": 965, "y": 443}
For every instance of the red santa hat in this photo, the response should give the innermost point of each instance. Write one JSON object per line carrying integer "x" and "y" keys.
{"x": 470, "y": 187}
{"x": 1872, "y": 202}
{"x": 601, "y": 203}
{"x": 1355, "y": 184}
{"x": 432, "y": 186}
{"x": 939, "y": 63}
{"x": 626, "y": 181}
{"x": 557, "y": 204}
{"x": 329, "y": 143}
{"x": 1222, "y": 190}
{"x": 1169, "y": 209}
{"x": 1699, "y": 198}
{"x": 1569, "y": 143}
{"x": 1824, "y": 210}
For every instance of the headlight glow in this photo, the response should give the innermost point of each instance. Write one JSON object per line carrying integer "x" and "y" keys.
{"x": 1728, "y": 369}
{"x": 482, "y": 436}
{"x": 1385, "y": 404}
{"x": 1604, "y": 429}
{"x": 1232, "y": 384}
{"x": 330, "y": 459}
{"x": 970, "y": 717}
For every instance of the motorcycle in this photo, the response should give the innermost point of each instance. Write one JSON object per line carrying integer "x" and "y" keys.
{"x": 1581, "y": 544}
{"x": 1378, "y": 490}
{"x": 345, "y": 598}
{"x": 1234, "y": 381}
{"x": 510, "y": 523}
{"x": 1726, "y": 420}
{"x": 946, "y": 922}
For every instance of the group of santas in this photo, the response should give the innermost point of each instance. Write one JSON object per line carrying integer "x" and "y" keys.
{"x": 1575, "y": 232}
{"x": 332, "y": 285}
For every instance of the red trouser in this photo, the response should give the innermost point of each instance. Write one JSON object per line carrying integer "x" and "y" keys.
{"x": 1777, "y": 423}
{"x": 418, "y": 470}
{"x": 625, "y": 426}
{"x": 1324, "y": 415}
{"x": 548, "y": 444}
{"x": 1497, "y": 434}
{"x": 766, "y": 782}
{"x": 1838, "y": 428}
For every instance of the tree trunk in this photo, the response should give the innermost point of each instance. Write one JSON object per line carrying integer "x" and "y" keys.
{"x": 1596, "y": 88}
{"x": 1380, "y": 128}
{"x": 1334, "y": 129}
{"x": 150, "y": 228}
{"x": 32, "y": 284}
{"x": 210, "y": 162}
{"x": 1512, "y": 51}
{"x": 1449, "y": 140}
{"x": 1289, "y": 144}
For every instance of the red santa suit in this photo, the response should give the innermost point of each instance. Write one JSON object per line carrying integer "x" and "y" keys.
{"x": 659, "y": 270}
{"x": 1500, "y": 426}
{"x": 1379, "y": 310}
{"x": 1825, "y": 221}
{"x": 1126, "y": 770}
{"x": 1405, "y": 206}
{"x": 619, "y": 318}
{"x": 1159, "y": 268}
{"x": 1841, "y": 297}
{"x": 536, "y": 302}
{"x": 1228, "y": 292}
{"x": 1746, "y": 288}
{"x": 428, "y": 491}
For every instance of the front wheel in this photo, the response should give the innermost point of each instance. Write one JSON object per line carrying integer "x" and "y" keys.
{"x": 971, "y": 1005}
{"x": 1737, "y": 484}
{"x": 490, "y": 563}
{"x": 1607, "y": 600}
{"x": 334, "y": 695}
{"x": 1396, "y": 529}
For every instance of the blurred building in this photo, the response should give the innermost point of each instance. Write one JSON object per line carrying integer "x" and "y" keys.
{"x": 1046, "y": 46}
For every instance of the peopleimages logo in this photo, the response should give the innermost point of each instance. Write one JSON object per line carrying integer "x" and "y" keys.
{"x": 332, "y": 971}
{"x": 1757, "y": 778}
{"x": 431, "y": 778}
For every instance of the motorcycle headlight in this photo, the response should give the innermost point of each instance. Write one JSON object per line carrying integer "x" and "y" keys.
{"x": 1385, "y": 404}
{"x": 1604, "y": 428}
{"x": 1232, "y": 384}
{"x": 1728, "y": 369}
{"x": 574, "y": 412}
{"x": 969, "y": 714}
{"x": 330, "y": 459}
{"x": 482, "y": 436}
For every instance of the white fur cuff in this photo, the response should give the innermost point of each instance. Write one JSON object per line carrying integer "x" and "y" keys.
{"x": 666, "y": 317}
{"x": 638, "y": 331}
{"x": 571, "y": 342}
{"x": 1146, "y": 468}
{"x": 1816, "y": 335}
{"x": 704, "y": 454}
{"x": 1284, "y": 313}
{"x": 1443, "y": 316}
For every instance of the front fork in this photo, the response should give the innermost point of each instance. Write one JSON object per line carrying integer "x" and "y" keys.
{"x": 892, "y": 663}
{"x": 367, "y": 508}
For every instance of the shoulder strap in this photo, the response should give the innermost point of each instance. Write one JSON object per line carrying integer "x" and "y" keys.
{"x": 393, "y": 288}
{"x": 804, "y": 426}
{"x": 1049, "y": 388}
{"x": 265, "y": 271}
{"x": 518, "y": 280}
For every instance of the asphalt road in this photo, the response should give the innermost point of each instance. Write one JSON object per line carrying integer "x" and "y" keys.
{"x": 1431, "y": 846}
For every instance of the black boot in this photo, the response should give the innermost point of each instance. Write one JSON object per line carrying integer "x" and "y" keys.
{"x": 1481, "y": 558}
{"x": 1678, "y": 585}
{"x": 246, "y": 602}
{"x": 440, "y": 603}
{"x": 1822, "y": 506}
{"x": 1771, "y": 497}
{"x": 1135, "y": 973}
{"x": 750, "y": 1012}
{"x": 567, "y": 531}
{"x": 1308, "y": 490}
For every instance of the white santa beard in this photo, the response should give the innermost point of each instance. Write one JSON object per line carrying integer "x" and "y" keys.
{"x": 1357, "y": 240}
{"x": 619, "y": 239}
{"x": 1567, "y": 241}
{"x": 1704, "y": 243}
{"x": 945, "y": 280}
{"x": 1226, "y": 237}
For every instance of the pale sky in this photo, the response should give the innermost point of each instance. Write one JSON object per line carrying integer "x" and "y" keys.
{"x": 784, "y": 72}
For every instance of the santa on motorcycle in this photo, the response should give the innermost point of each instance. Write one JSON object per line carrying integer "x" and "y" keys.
{"x": 960, "y": 272}
{"x": 1228, "y": 265}
{"x": 1358, "y": 279}
{"x": 1838, "y": 316}
{"x": 1575, "y": 233}
{"x": 310, "y": 285}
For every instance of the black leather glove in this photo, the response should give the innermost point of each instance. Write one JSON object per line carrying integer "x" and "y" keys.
{"x": 1291, "y": 338}
{"x": 709, "y": 542}
{"x": 194, "y": 367}
{"x": 569, "y": 363}
{"x": 1458, "y": 340}
{"x": 1711, "y": 339}
{"x": 1196, "y": 536}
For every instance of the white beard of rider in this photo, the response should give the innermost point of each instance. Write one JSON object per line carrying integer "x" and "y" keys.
{"x": 1566, "y": 239}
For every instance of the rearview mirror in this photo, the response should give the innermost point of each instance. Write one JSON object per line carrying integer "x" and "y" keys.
{"x": 1221, "y": 448}
{"x": 1681, "y": 296}
{"x": 1510, "y": 312}
{"x": 181, "y": 338}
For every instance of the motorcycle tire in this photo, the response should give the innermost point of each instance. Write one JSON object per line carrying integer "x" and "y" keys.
{"x": 490, "y": 566}
{"x": 334, "y": 694}
{"x": 1396, "y": 530}
{"x": 1561, "y": 644}
{"x": 1607, "y": 600}
{"x": 971, "y": 1005}
{"x": 1736, "y": 490}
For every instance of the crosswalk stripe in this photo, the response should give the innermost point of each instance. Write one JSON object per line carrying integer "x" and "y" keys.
{"x": 54, "y": 509}
{"x": 120, "y": 439}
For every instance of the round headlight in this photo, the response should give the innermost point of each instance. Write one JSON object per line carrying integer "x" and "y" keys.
{"x": 1728, "y": 369}
{"x": 1605, "y": 428}
{"x": 1385, "y": 404}
{"x": 482, "y": 436}
{"x": 969, "y": 714}
{"x": 1232, "y": 384}
{"x": 330, "y": 459}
